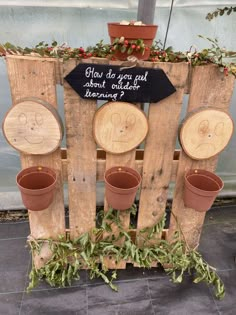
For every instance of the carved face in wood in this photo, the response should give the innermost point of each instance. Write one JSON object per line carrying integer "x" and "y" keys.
{"x": 33, "y": 127}
{"x": 206, "y": 133}
{"x": 29, "y": 125}
{"x": 119, "y": 127}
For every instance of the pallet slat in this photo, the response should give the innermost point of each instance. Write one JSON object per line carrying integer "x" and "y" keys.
{"x": 101, "y": 164}
{"x": 81, "y": 156}
{"x": 204, "y": 91}
{"x": 29, "y": 77}
{"x": 160, "y": 147}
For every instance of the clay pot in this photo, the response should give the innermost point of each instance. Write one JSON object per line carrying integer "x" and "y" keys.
{"x": 37, "y": 185}
{"x": 133, "y": 32}
{"x": 201, "y": 189}
{"x": 121, "y": 184}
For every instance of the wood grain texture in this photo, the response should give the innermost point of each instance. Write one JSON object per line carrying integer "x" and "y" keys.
{"x": 119, "y": 127}
{"x": 205, "y": 133}
{"x": 101, "y": 164}
{"x": 33, "y": 126}
{"x": 209, "y": 87}
{"x": 124, "y": 159}
{"x": 81, "y": 158}
{"x": 31, "y": 77}
{"x": 159, "y": 150}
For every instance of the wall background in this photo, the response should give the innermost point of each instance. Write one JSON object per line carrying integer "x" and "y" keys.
{"x": 83, "y": 23}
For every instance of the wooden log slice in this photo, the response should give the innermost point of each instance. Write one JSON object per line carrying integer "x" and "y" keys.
{"x": 205, "y": 133}
{"x": 33, "y": 126}
{"x": 119, "y": 127}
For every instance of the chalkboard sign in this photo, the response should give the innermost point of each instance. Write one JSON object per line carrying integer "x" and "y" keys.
{"x": 106, "y": 82}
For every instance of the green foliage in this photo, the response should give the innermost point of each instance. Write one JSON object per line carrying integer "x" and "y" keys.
{"x": 220, "y": 12}
{"x": 212, "y": 55}
{"x": 89, "y": 250}
{"x": 125, "y": 46}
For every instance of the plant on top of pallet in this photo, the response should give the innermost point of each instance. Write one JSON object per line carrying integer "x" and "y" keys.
{"x": 213, "y": 55}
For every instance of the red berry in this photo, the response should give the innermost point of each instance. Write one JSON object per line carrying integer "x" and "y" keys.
{"x": 146, "y": 48}
{"x": 126, "y": 42}
{"x": 226, "y": 71}
{"x": 133, "y": 46}
{"x": 138, "y": 48}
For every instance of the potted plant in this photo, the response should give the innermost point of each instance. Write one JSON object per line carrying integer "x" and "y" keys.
{"x": 131, "y": 38}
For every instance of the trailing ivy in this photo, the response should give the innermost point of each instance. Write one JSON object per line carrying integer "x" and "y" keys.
{"x": 88, "y": 251}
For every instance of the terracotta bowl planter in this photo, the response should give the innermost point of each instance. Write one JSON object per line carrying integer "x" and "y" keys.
{"x": 201, "y": 189}
{"x": 121, "y": 185}
{"x": 37, "y": 185}
{"x": 133, "y": 32}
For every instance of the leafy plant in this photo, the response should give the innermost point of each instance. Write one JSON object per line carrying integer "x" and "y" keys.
{"x": 100, "y": 50}
{"x": 212, "y": 55}
{"x": 125, "y": 46}
{"x": 88, "y": 251}
{"x": 220, "y": 12}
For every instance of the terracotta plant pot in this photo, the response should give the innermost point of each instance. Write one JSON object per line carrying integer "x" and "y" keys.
{"x": 37, "y": 185}
{"x": 121, "y": 184}
{"x": 201, "y": 189}
{"x": 133, "y": 32}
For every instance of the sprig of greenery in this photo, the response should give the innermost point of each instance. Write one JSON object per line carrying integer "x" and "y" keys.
{"x": 220, "y": 12}
{"x": 88, "y": 251}
{"x": 125, "y": 46}
{"x": 213, "y": 55}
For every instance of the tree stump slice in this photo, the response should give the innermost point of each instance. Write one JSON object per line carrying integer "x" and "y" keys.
{"x": 119, "y": 127}
{"x": 33, "y": 126}
{"x": 205, "y": 133}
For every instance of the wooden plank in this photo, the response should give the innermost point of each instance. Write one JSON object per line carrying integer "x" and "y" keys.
{"x": 81, "y": 157}
{"x": 59, "y": 71}
{"x": 159, "y": 148}
{"x": 125, "y": 159}
{"x": 58, "y": 63}
{"x": 209, "y": 87}
{"x": 101, "y": 164}
{"x": 31, "y": 77}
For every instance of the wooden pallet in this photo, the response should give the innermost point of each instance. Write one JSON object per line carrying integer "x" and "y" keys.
{"x": 82, "y": 164}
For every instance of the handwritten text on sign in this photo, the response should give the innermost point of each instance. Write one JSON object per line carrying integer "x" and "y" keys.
{"x": 106, "y": 82}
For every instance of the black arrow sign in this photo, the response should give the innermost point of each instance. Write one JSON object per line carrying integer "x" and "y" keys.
{"x": 105, "y": 82}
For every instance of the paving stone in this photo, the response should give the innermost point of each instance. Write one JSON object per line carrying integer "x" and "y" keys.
{"x": 71, "y": 301}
